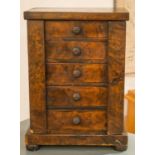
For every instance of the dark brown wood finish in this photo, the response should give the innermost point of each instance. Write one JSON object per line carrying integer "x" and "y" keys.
{"x": 69, "y": 96}
{"x": 37, "y": 89}
{"x": 76, "y": 77}
{"x": 65, "y": 73}
{"x": 86, "y": 29}
{"x": 103, "y": 14}
{"x": 116, "y": 68}
{"x": 117, "y": 141}
{"x": 93, "y": 121}
{"x": 75, "y": 50}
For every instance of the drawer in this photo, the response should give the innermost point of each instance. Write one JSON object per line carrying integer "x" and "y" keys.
{"x": 75, "y": 50}
{"x": 75, "y": 29}
{"x": 77, "y": 121}
{"x": 69, "y": 73}
{"x": 68, "y": 96}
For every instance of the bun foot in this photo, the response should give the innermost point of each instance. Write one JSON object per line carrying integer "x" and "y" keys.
{"x": 119, "y": 146}
{"x": 32, "y": 147}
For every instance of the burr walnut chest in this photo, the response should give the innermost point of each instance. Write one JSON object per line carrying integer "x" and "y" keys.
{"x": 76, "y": 77}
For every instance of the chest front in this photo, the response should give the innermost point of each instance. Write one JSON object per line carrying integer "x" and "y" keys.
{"x": 76, "y": 78}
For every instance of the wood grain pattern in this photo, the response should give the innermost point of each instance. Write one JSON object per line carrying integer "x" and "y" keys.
{"x": 76, "y": 99}
{"x": 37, "y": 76}
{"x": 116, "y": 67}
{"x": 63, "y": 29}
{"x": 90, "y": 50}
{"x": 90, "y": 121}
{"x": 62, "y": 96}
{"x": 62, "y": 73}
{"x": 77, "y": 14}
{"x": 74, "y": 139}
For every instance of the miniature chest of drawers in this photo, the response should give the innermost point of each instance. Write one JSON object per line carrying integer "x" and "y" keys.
{"x": 76, "y": 77}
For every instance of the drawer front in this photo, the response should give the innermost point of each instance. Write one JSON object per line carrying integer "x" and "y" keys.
{"x": 65, "y": 73}
{"x": 68, "y": 96}
{"x": 77, "y": 121}
{"x": 75, "y": 29}
{"x": 75, "y": 50}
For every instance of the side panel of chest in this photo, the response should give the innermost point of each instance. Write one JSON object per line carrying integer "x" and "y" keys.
{"x": 116, "y": 71}
{"x": 37, "y": 90}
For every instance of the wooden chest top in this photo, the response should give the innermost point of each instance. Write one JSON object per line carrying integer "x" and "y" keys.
{"x": 77, "y": 14}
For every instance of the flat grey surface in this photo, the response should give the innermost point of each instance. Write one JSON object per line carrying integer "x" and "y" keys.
{"x": 70, "y": 150}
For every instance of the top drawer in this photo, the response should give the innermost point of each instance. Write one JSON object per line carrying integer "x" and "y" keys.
{"x": 75, "y": 29}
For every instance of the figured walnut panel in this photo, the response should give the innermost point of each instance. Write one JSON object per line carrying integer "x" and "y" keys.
{"x": 62, "y": 73}
{"x": 89, "y": 50}
{"x": 116, "y": 67}
{"x": 63, "y": 29}
{"x": 37, "y": 76}
{"x": 90, "y": 121}
{"x": 63, "y": 96}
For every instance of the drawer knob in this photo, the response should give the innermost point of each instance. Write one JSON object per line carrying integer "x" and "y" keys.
{"x": 76, "y": 120}
{"x": 76, "y": 51}
{"x": 76, "y": 96}
{"x": 76, "y": 73}
{"x": 76, "y": 30}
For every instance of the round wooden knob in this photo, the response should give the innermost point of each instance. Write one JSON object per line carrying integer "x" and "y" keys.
{"x": 76, "y": 51}
{"x": 76, "y": 73}
{"x": 76, "y": 120}
{"x": 76, "y": 96}
{"x": 76, "y": 30}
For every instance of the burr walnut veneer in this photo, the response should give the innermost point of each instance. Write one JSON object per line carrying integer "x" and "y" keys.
{"x": 76, "y": 77}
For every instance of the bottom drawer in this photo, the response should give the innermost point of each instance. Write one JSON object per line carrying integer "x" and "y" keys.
{"x": 77, "y": 121}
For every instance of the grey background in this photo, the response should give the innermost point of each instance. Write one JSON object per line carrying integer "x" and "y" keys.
{"x": 70, "y": 150}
